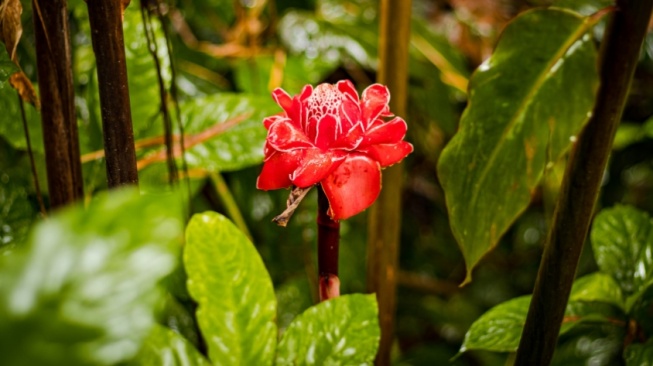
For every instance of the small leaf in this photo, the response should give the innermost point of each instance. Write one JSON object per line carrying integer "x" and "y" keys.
{"x": 526, "y": 105}
{"x": 237, "y": 306}
{"x": 83, "y": 290}
{"x": 622, "y": 239}
{"x": 10, "y": 27}
{"x": 164, "y": 346}
{"x": 341, "y": 331}
{"x": 639, "y": 354}
{"x": 599, "y": 287}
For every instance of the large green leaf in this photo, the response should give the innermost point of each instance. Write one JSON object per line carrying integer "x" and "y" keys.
{"x": 622, "y": 239}
{"x": 239, "y": 146}
{"x": 597, "y": 286}
{"x": 639, "y": 354}
{"x": 527, "y": 102}
{"x": 83, "y": 291}
{"x": 341, "y": 331}
{"x": 163, "y": 346}
{"x": 237, "y": 306}
{"x": 7, "y": 67}
{"x": 500, "y": 328}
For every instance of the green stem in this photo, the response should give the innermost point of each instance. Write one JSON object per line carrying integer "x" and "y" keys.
{"x": 580, "y": 187}
{"x": 229, "y": 202}
{"x": 385, "y": 215}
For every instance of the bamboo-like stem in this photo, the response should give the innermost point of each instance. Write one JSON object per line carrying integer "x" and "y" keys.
{"x": 105, "y": 17}
{"x": 328, "y": 245}
{"x": 385, "y": 215}
{"x": 229, "y": 202}
{"x": 53, "y": 57}
{"x": 580, "y": 187}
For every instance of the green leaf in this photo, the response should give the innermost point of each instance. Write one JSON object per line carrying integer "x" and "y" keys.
{"x": 639, "y": 354}
{"x": 622, "y": 239}
{"x": 227, "y": 278}
{"x": 164, "y": 346}
{"x": 83, "y": 291}
{"x": 597, "y": 287}
{"x": 341, "y": 331}
{"x": 11, "y": 122}
{"x": 500, "y": 328}
{"x": 526, "y": 104}
{"x": 7, "y": 67}
{"x": 584, "y": 7}
{"x": 239, "y": 146}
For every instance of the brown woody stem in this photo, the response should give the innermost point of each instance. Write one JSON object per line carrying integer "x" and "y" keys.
{"x": 328, "y": 243}
{"x": 105, "y": 17}
{"x": 580, "y": 187}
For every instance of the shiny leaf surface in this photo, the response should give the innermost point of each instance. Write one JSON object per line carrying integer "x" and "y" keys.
{"x": 526, "y": 104}
{"x": 240, "y": 145}
{"x": 622, "y": 239}
{"x": 164, "y": 346}
{"x": 227, "y": 278}
{"x": 341, "y": 331}
{"x": 597, "y": 286}
{"x": 84, "y": 288}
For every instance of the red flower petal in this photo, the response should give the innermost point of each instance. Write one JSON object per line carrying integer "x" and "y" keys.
{"x": 314, "y": 166}
{"x": 283, "y": 135}
{"x": 374, "y": 101}
{"x": 327, "y": 131}
{"x": 388, "y": 154}
{"x": 296, "y": 112}
{"x": 351, "y": 139}
{"x": 386, "y": 133}
{"x": 350, "y": 114}
{"x": 282, "y": 98}
{"x": 277, "y": 169}
{"x": 352, "y": 187}
{"x": 346, "y": 87}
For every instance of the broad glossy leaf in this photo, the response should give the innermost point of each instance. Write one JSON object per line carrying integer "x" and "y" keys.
{"x": 241, "y": 145}
{"x": 7, "y": 67}
{"x": 622, "y": 239}
{"x": 164, "y": 346}
{"x": 591, "y": 344}
{"x": 341, "y": 331}
{"x": 527, "y": 102}
{"x": 227, "y": 278}
{"x": 500, "y": 328}
{"x": 597, "y": 286}
{"x": 84, "y": 289}
{"x": 639, "y": 354}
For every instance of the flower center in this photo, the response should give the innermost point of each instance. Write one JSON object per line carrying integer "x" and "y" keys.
{"x": 326, "y": 99}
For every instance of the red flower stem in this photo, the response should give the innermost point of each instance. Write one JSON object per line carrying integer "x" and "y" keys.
{"x": 328, "y": 242}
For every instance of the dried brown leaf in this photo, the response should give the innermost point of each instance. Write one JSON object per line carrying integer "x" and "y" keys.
{"x": 23, "y": 85}
{"x": 10, "y": 26}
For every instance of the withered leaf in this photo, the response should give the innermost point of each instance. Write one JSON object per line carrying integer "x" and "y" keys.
{"x": 23, "y": 85}
{"x": 10, "y": 27}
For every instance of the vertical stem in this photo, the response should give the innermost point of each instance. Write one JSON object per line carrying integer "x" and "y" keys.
{"x": 580, "y": 187}
{"x": 30, "y": 152}
{"x": 385, "y": 215}
{"x": 105, "y": 17}
{"x": 328, "y": 243}
{"x": 58, "y": 118}
{"x": 222, "y": 189}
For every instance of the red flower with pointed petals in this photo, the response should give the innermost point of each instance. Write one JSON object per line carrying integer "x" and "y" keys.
{"x": 328, "y": 135}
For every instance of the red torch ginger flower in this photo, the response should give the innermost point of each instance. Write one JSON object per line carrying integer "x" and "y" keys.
{"x": 329, "y": 136}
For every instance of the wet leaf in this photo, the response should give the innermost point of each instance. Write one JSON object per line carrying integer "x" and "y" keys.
{"x": 526, "y": 104}
{"x": 622, "y": 239}
{"x": 599, "y": 287}
{"x": 239, "y": 146}
{"x": 84, "y": 288}
{"x": 227, "y": 278}
{"x": 164, "y": 346}
{"x": 340, "y": 331}
{"x": 500, "y": 328}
